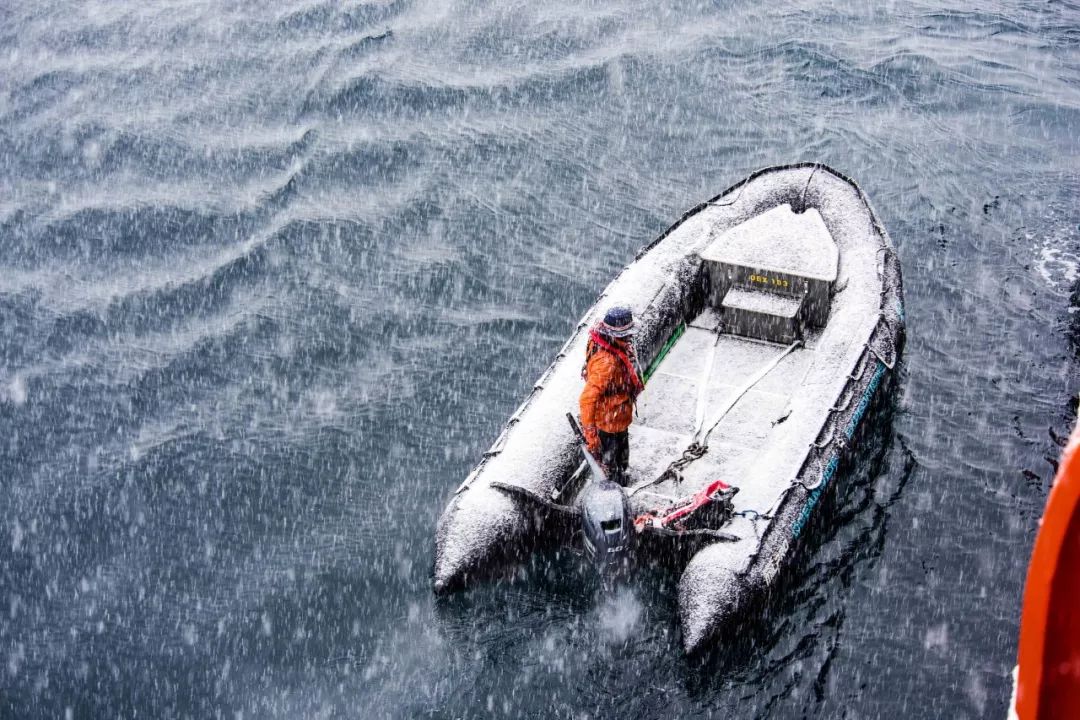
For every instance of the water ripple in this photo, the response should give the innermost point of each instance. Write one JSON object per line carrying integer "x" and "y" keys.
{"x": 273, "y": 277}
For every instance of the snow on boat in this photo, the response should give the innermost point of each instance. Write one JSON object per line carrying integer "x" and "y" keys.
{"x": 770, "y": 317}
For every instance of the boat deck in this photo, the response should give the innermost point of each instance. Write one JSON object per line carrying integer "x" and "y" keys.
{"x": 748, "y": 448}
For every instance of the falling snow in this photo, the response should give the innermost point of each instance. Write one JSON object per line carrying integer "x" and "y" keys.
{"x": 274, "y": 275}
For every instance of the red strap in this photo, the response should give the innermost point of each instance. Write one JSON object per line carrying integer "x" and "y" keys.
{"x": 696, "y": 501}
{"x": 638, "y": 385}
{"x": 653, "y": 517}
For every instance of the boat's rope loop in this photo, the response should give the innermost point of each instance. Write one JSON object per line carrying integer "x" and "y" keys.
{"x": 882, "y": 320}
{"x": 808, "y": 487}
{"x": 876, "y": 354}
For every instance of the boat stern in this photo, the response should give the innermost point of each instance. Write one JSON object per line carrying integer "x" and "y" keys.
{"x": 480, "y": 525}
{"x": 713, "y": 593}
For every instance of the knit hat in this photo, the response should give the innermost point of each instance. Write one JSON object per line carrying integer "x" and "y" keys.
{"x": 618, "y": 323}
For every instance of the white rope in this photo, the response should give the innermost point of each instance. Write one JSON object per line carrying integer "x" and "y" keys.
{"x": 704, "y": 439}
{"x": 703, "y": 385}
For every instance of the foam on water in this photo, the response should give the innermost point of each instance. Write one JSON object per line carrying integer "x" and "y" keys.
{"x": 1058, "y": 258}
{"x": 620, "y": 615}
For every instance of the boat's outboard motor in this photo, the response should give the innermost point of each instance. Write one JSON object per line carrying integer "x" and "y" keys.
{"x": 606, "y": 526}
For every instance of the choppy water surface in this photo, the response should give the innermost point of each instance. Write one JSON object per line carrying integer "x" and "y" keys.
{"x": 272, "y": 277}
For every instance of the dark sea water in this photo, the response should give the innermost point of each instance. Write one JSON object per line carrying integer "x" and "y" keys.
{"x": 273, "y": 275}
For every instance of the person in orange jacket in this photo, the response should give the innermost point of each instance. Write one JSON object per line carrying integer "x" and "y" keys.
{"x": 612, "y": 384}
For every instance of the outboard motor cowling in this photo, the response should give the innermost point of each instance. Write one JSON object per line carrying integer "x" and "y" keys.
{"x": 606, "y": 526}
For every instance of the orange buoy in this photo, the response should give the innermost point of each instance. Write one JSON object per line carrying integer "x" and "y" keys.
{"x": 1048, "y": 672}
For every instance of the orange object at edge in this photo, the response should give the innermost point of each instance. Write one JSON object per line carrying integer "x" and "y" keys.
{"x": 1048, "y": 675}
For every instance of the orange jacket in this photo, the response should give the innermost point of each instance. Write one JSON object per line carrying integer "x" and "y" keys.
{"x": 607, "y": 402}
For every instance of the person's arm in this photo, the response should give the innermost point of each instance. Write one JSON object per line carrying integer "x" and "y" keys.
{"x": 595, "y": 378}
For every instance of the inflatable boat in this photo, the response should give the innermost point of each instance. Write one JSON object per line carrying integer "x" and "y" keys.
{"x": 769, "y": 320}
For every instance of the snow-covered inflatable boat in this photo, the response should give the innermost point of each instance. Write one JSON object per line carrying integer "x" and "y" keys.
{"x": 769, "y": 319}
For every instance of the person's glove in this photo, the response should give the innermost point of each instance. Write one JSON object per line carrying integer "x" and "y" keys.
{"x": 592, "y": 440}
